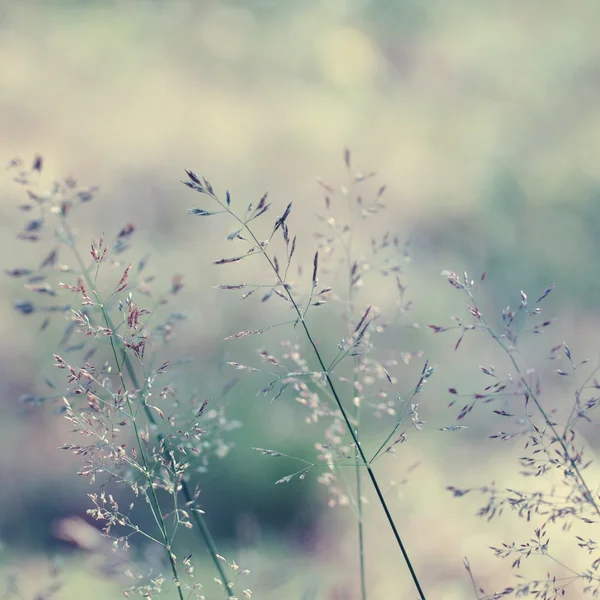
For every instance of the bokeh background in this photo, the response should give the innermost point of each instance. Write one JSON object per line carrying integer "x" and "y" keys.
{"x": 483, "y": 120}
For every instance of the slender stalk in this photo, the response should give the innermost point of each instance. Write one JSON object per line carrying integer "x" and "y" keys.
{"x": 334, "y": 392}
{"x": 406, "y": 403}
{"x": 153, "y": 500}
{"x": 576, "y": 405}
{"x": 357, "y": 467}
{"x": 549, "y": 423}
{"x": 365, "y": 463}
{"x": 359, "y": 506}
{"x": 187, "y": 493}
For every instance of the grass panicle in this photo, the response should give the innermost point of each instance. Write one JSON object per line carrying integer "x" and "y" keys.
{"x": 323, "y": 309}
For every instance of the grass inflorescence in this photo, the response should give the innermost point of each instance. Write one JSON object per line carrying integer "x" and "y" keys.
{"x": 142, "y": 438}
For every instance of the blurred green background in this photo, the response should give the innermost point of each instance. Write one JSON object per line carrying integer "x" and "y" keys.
{"x": 483, "y": 119}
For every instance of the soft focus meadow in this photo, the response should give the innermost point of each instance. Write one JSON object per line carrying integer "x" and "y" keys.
{"x": 482, "y": 121}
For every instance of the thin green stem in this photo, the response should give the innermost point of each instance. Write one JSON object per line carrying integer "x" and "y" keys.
{"x": 406, "y": 403}
{"x": 359, "y": 506}
{"x": 154, "y": 503}
{"x": 332, "y": 387}
{"x": 357, "y": 469}
{"x": 187, "y": 493}
{"x": 365, "y": 462}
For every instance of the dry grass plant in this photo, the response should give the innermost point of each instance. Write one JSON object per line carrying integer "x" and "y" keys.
{"x": 144, "y": 434}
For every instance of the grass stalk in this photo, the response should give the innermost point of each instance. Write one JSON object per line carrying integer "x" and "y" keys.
{"x": 560, "y": 438}
{"x": 364, "y": 462}
{"x": 187, "y": 493}
{"x": 359, "y": 506}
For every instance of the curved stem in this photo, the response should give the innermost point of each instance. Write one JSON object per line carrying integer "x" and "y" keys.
{"x": 334, "y": 392}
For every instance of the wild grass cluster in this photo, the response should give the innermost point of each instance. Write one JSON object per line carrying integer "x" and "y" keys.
{"x": 143, "y": 440}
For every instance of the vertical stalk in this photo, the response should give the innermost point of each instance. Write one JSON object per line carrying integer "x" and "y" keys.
{"x": 153, "y": 498}
{"x": 185, "y": 488}
{"x": 363, "y": 458}
{"x": 357, "y": 468}
{"x": 359, "y": 505}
